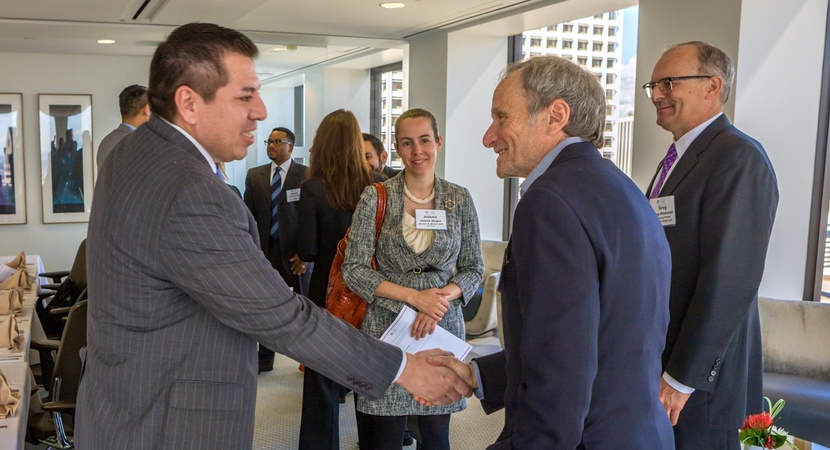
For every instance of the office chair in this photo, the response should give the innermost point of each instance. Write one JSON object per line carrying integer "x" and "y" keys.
{"x": 54, "y": 302}
{"x": 52, "y": 426}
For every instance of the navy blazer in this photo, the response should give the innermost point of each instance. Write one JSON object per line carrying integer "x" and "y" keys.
{"x": 725, "y": 198}
{"x": 585, "y": 286}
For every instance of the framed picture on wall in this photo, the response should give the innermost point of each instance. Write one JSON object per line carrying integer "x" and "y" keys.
{"x": 12, "y": 179}
{"x": 66, "y": 162}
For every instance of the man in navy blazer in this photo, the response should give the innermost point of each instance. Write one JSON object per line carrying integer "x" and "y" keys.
{"x": 585, "y": 279}
{"x": 278, "y": 234}
{"x": 180, "y": 289}
{"x": 723, "y": 194}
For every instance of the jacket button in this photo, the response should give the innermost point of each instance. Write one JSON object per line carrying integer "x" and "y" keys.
{"x": 718, "y": 361}
{"x": 711, "y": 378}
{"x": 713, "y": 373}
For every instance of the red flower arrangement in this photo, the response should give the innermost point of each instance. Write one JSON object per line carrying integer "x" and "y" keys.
{"x": 759, "y": 430}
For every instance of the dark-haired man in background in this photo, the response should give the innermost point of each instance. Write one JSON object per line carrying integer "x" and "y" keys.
{"x": 132, "y": 101}
{"x": 376, "y": 155}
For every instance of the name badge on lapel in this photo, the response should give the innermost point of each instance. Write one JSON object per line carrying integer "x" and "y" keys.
{"x": 664, "y": 208}
{"x": 292, "y": 195}
{"x": 430, "y": 219}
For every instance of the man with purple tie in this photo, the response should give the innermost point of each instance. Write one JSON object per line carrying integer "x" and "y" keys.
{"x": 718, "y": 194}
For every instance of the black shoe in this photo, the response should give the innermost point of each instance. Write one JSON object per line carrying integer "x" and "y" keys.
{"x": 407, "y": 439}
{"x": 265, "y": 368}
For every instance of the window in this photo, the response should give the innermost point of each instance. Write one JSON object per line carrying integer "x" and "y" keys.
{"x": 535, "y": 42}
{"x": 567, "y": 44}
{"x": 612, "y": 47}
{"x": 607, "y": 141}
{"x": 610, "y": 63}
{"x": 386, "y": 104}
{"x": 583, "y": 29}
{"x": 597, "y": 46}
{"x": 610, "y": 78}
{"x": 582, "y": 61}
{"x": 582, "y": 45}
{"x": 567, "y": 28}
{"x": 596, "y": 63}
{"x": 609, "y": 94}
{"x": 612, "y": 31}
{"x": 598, "y": 29}
{"x": 551, "y": 42}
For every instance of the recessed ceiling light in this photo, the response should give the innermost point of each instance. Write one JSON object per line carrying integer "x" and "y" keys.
{"x": 392, "y": 5}
{"x": 106, "y": 41}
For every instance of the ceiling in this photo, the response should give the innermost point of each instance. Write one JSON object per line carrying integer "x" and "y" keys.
{"x": 292, "y": 34}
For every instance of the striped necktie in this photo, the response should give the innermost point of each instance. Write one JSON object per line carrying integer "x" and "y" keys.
{"x": 276, "y": 187}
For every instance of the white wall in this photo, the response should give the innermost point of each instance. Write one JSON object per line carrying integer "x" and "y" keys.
{"x": 474, "y": 63}
{"x": 31, "y": 74}
{"x": 330, "y": 89}
{"x": 779, "y": 80}
{"x": 428, "y": 77}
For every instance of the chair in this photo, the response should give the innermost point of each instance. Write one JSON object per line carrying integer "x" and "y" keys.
{"x": 54, "y": 303}
{"x": 51, "y": 426}
{"x": 480, "y": 314}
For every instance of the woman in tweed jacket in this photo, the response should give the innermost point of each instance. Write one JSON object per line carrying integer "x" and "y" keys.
{"x": 433, "y": 271}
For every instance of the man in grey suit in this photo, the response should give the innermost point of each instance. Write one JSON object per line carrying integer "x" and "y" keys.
{"x": 272, "y": 193}
{"x": 716, "y": 194}
{"x": 132, "y": 102}
{"x": 180, "y": 290}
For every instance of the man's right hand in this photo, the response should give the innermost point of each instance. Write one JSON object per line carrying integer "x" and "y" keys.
{"x": 465, "y": 371}
{"x": 433, "y": 383}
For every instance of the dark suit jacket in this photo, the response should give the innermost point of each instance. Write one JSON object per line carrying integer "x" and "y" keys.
{"x": 258, "y": 199}
{"x": 725, "y": 197}
{"x": 389, "y": 171}
{"x": 585, "y": 287}
{"x": 182, "y": 294}
{"x": 109, "y": 142}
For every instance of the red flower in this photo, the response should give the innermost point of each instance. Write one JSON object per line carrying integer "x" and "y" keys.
{"x": 760, "y": 421}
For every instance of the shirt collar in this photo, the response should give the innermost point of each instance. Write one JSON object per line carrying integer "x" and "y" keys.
{"x": 199, "y": 147}
{"x": 547, "y": 161}
{"x": 284, "y": 166}
{"x": 128, "y": 125}
{"x": 682, "y": 144}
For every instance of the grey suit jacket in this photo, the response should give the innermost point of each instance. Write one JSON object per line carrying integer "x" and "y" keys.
{"x": 454, "y": 257}
{"x": 258, "y": 200}
{"x": 180, "y": 294}
{"x": 109, "y": 142}
{"x": 725, "y": 197}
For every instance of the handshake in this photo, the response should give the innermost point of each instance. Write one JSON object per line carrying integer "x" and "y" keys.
{"x": 436, "y": 377}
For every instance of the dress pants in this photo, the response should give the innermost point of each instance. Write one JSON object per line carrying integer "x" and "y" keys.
{"x": 266, "y": 355}
{"x": 320, "y": 419}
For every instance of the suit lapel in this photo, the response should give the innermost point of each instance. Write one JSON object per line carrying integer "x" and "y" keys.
{"x": 689, "y": 159}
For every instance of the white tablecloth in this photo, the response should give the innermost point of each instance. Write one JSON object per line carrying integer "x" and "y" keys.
{"x": 13, "y": 429}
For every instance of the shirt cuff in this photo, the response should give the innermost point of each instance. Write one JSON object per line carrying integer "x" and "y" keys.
{"x": 403, "y": 364}
{"x": 478, "y": 391}
{"x": 678, "y": 386}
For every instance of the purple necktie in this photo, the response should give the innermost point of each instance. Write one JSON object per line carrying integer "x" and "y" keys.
{"x": 668, "y": 161}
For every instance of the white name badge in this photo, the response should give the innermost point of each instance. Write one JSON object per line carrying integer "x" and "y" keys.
{"x": 292, "y": 195}
{"x": 664, "y": 207}
{"x": 430, "y": 219}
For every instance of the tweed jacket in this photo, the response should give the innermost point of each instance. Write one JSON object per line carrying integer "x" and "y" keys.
{"x": 454, "y": 257}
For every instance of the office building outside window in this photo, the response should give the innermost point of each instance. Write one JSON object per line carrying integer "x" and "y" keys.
{"x": 387, "y": 104}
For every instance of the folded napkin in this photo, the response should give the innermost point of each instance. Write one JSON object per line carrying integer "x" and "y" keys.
{"x": 18, "y": 262}
{"x": 10, "y": 337}
{"x": 19, "y": 279}
{"x": 8, "y": 402}
{"x": 11, "y": 301}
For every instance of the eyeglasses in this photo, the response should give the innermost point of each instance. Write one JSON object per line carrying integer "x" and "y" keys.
{"x": 278, "y": 142}
{"x": 667, "y": 84}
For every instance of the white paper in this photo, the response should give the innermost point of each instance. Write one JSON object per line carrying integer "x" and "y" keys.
{"x": 664, "y": 208}
{"x": 399, "y": 334}
{"x": 292, "y": 195}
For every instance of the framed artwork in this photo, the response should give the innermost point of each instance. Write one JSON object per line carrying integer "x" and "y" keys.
{"x": 66, "y": 162}
{"x": 12, "y": 181}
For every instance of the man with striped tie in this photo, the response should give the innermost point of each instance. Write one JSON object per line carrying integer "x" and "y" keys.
{"x": 272, "y": 193}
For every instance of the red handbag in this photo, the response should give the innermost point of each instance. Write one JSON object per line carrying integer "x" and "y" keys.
{"x": 340, "y": 300}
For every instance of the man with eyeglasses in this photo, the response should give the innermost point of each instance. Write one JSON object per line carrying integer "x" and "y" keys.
{"x": 272, "y": 193}
{"x": 716, "y": 195}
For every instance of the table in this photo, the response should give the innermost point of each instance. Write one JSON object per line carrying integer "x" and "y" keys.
{"x": 13, "y": 435}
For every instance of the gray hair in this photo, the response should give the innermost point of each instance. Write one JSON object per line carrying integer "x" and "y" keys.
{"x": 713, "y": 61}
{"x": 547, "y": 78}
